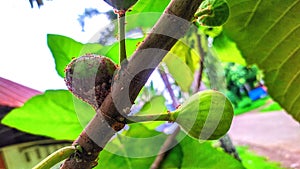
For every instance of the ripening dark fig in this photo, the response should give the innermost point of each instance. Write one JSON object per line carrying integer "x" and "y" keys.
{"x": 121, "y": 4}
{"x": 207, "y": 115}
{"x": 89, "y": 78}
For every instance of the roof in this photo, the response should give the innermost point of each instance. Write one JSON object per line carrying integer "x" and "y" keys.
{"x": 13, "y": 94}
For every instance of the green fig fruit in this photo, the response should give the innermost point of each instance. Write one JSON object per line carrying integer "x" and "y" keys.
{"x": 207, "y": 115}
{"x": 213, "y": 12}
{"x": 121, "y": 4}
{"x": 89, "y": 78}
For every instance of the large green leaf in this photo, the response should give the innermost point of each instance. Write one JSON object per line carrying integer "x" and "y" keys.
{"x": 64, "y": 49}
{"x": 112, "y": 51}
{"x": 50, "y": 114}
{"x": 268, "y": 34}
{"x": 227, "y": 50}
{"x": 187, "y": 54}
{"x": 204, "y": 155}
{"x": 145, "y": 13}
{"x": 156, "y": 105}
{"x": 253, "y": 161}
{"x": 188, "y": 153}
{"x": 120, "y": 151}
{"x": 179, "y": 70}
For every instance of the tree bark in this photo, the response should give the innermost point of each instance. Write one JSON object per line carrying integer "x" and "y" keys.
{"x": 129, "y": 80}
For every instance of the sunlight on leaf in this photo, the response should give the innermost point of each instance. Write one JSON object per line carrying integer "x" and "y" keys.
{"x": 268, "y": 34}
{"x": 64, "y": 49}
{"x": 156, "y": 105}
{"x": 145, "y": 13}
{"x": 112, "y": 51}
{"x": 181, "y": 73}
{"x": 204, "y": 155}
{"x": 253, "y": 161}
{"x": 227, "y": 50}
{"x": 125, "y": 146}
{"x": 50, "y": 114}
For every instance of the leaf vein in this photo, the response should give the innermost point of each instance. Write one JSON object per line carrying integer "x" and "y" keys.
{"x": 277, "y": 44}
{"x": 252, "y": 13}
{"x": 293, "y": 101}
{"x": 275, "y": 23}
{"x": 289, "y": 56}
{"x": 289, "y": 85}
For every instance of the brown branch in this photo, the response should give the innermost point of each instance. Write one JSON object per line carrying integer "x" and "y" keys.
{"x": 167, "y": 83}
{"x": 164, "y": 148}
{"x": 202, "y": 55}
{"x": 129, "y": 81}
{"x": 170, "y": 140}
{"x": 229, "y": 148}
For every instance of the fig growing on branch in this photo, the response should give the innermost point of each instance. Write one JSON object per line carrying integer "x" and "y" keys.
{"x": 89, "y": 78}
{"x": 213, "y": 12}
{"x": 207, "y": 115}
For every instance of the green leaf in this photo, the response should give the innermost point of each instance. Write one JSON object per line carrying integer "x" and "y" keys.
{"x": 173, "y": 158}
{"x": 134, "y": 143}
{"x": 145, "y": 13}
{"x": 268, "y": 34}
{"x": 84, "y": 111}
{"x": 188, "y": 153}
{"x": 149, "y": 6}
{"x": 203, "y": 155}
{"x": 227, "y": 50}
{"x": 179, "y": 70}
{"x": 112, "y": 51}
{"x": 64, "y": 49}
{"x": 156, "y": 105}
{"x": 50, "y": 114}
{"x": 253, "y": 161}
{"x": 187, "y": 54}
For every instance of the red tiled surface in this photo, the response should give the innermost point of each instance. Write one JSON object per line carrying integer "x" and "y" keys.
{"x": 13, "y": 94}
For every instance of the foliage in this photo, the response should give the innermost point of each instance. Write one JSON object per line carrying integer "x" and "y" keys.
{"x": 51, "y": 114}
{"x": 268, "y": 40}
{"x": 246, "y": 105}
{"x": 253, "y": 161}
{"x": 64, "y": 49}
{"x": 180, "y": 156}
{"x": 272, "y": 107}
{"x": 155, "y": 105}
{"x": 226, "y": 49}
{"x": 240, "y": 79}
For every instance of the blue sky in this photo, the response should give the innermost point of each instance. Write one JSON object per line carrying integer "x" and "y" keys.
{"x": 25, "y": 57}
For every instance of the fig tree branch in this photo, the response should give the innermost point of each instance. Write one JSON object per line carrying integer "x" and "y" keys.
{"x": 201, "y": 63}
{"x": 170, "y": 139}
{"x": 168, "y": 85}
{"x": 129, "y": 80}
{"x": 164, "y": 148}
